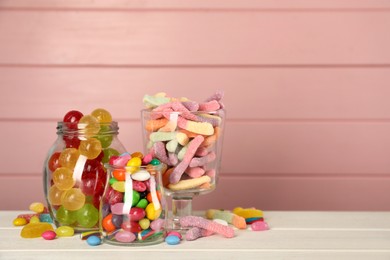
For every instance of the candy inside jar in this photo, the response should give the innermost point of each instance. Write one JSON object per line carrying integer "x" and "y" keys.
{"x": 74, "y": 173}
{"x": 133, "y": 207}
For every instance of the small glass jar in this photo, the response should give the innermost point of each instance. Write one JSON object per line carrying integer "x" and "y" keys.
{"x": 133, "y": 206}
{"x": 74, "y": 173}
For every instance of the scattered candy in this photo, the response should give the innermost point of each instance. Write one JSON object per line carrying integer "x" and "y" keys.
{"x": 49, "y": 235}
{"x": 195, "y": 221}
{"x": 248, "y": 213}
{"x": 33, "y": 230}
{"x": 231, "y": 218}
{"x": 19, "y": 221}
{"x": 64, "y": 231}
{"x": 259, "y": 226}
{"x": 172, "y": 240}
{"x": 94, "y": 240}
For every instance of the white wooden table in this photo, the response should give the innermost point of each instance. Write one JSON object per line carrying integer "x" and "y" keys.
{"x": 293, "y": 235}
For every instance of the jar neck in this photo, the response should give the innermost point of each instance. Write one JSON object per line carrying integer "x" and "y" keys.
{"x": 65, "y": 128}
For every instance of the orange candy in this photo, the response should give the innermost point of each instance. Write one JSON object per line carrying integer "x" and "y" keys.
{"x": 107, "y": 223}
{"x": 149, "y": 196}
{"x": 119, "y": 174}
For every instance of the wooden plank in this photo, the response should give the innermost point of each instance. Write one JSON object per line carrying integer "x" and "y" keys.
{"x": 315, "y": 94}
{"x": 322, "y": 149}
{"x": 163, "y": 39}
{"x": 196, "y": 4}
{"x": 294, "y": 192}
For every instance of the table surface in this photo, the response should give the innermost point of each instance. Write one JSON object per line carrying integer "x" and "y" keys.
{"x": 292, "y": 235}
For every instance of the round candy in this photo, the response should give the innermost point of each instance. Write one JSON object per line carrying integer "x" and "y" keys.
{"x": 71, "y": 140}
{"x": 94, "y": 241}
{"x": 19, "y": 222}
{"x": 53, "y": 162}
{"x": 131, "y": 226}
{"x": 49, "y": 235}
{"x": 68, "y": 158}
{"x": 137, "y": 154}
{"x": 63, "y": 178}
{"x": 65, "y": 231}
{"x": 54, "y": 195}
{"x": 103, "y": 136}
{"x": 37, "y": 207}
{"x": 90, "y": 148}
{"x": 72, "y": 118}
{"x": 89, "y": 126}
{"x": 73, "y": 199}
{"x": 87, "y": 216}
{"x": 65, "y": 217}
{"x": 172, "y": 240}
{"x": 102, "y": 115}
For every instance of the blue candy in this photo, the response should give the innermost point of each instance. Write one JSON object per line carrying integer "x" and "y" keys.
{"x": 172, "y": 240}
{"x": 94, "y": 241}
{"x": 45, "y": 218}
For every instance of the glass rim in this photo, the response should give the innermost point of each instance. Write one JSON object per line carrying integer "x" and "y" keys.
{"x": 215, "y": 112}
{"x": 148, "y": 166}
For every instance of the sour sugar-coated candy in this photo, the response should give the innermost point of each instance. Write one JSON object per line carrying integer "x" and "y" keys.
{"x": 231, "y": 218}
{"x": 65, "y": 216}
{"x": 89, "y": 125}
{"x": 33, "y": 230}
{"x": 73, "y": 199}
{"x": 54, "y": 195}
{"x": 63, "y": 178}
{"x": 94, "y": 241}
{"x": 90, "y": 148}
{"x": 195, "y": 221}
{"x": 259, "y": 226}
{"x": 69, "y": 157}
{"x": 102, "y": 115}
{"x": 65, "y": 231}
{"x": 37, "y": 207}
{"x": 87, "y": 216}
{"x": 19, "y": 222}
{"x": 49, "y": 235}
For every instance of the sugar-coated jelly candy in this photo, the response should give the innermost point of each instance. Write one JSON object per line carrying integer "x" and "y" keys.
{"x": 102, "y": 115}
{"x": 54, "y": 195}
{"x": 37, "y": 207}
{"x": 33, "y": 230}
{"x": 19, "y": 222}
{"x": 73, "y": 199}
{"x": 49, "y": 235}
{"x": 53, "y": 162}
{"x": 65, "y": 231}
{"x": 68, "y": 157}
{"x": 94, "y": 241}
{"x": 90, "y": 148}
{"x": 65, "y": 216}
{"x": 72, "y": 118}
{"x": 63, "y": 178}
{"x": 89, "y": 126}
{"x": 87, "y": 216}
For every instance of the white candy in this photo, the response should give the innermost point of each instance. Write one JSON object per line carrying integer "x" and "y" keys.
{"x": 141, "y": 175}
{"x": 221, "y": 221}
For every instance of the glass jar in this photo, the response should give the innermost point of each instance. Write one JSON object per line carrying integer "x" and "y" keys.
{"x": 133, "y": 206}
{"x": 74, "y": 173}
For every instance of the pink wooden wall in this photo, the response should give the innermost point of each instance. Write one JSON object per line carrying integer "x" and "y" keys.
{"x": 307, "y": 88}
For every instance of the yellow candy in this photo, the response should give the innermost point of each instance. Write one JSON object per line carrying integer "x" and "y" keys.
{"x": 90, "y": 148}
{"x": 37, "y": 207}
{"x": 34, "y": 219}
{"x": 102, "y": 115}
{"x": 144, "y": 223}
{"x": 133, "y": 164}
{"x": 65, "y": 231}
{"x": 33, "y": 230}
{"x": 19, "y": 222}
{"x": 248, "y": 212}
{"x": 119, "y": 186}
{"x": 151, "y": 213}
{"x": 89, "y": 125}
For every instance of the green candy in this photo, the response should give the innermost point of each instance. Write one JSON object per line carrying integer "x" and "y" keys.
{"x": 65, "y": 217}
{"x": 142, "y": 203}
{"x": 155, "y": 162}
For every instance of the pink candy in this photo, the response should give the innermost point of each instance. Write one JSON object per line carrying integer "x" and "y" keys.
{"x": 259, "y": 226}
{"x": 194, "y": 221}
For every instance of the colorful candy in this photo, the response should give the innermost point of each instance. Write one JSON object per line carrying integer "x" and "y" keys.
{"x": 19, "y": 221}
{"x": 33, "y": 230}
{"x": 94, "y": 241}
{"x": 49, "y": 235}
{"x": 231, "y": 218}
{"x": 195, "y": 221}
{"x": 64, "y": 231}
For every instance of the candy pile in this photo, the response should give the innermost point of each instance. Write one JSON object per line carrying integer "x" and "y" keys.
{"x": 75, "y": 175}
{"x": 182, "y": 134}
{"x": 132, "y": 204}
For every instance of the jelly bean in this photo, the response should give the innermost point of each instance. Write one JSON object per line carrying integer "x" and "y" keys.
{"x": 73, "y": 199}
{"x": 147, "y": 159}
{"x": 37, "y": 207}
{"x": 112, "y": 196}
{"x": 174, "y": 233}
{"x": 108, "y": 154}
{"x": 87, "y": 216}
{"x": 94, "y": 241}
{"x": 144, "y": 223}
{"x": 149, "y": 196}
{"x": 90, "y": 148}
{"x": 65, "y": 216}
{"x": 259, "y": 226}
{"x": 69, "y": 157}
{"x": 49, "y": 235}
{"x": 137, "y": 154}
{"x": 63, "y": 178}
{"x": 131, "y": 226}
{"x": 64, "y": 231}
{"x": 54, "y": 195}
{"x": 33, "y": 230}
{"x": 119, "y": 174}
{"x": 142, "y": 203}
{"x": 251, "y": 220}
{"x": 89, "y": 125}
{"x": 136, "y": 214}
{"x": 72, "y": 118}
{"x": 155, "y": 162}
{"x": 133, "y": 164}
{"x": 119, "y": 186}
{"x": 141, "y": 175}
{"x": 53, "y": 162}
{"x": 136, "y": 198}
{"x": 117, "y": 208}
{"x": 102, "y": 115}
{"x": 125, "y": 236}
{"x": 139, "y": 186}
{"x": 27, "y": 217}
{"x": 35, "y": 219}
{"x": 172, "y": 240}
{"x": 19, "y": 222}
{"x": 112, "y": 181}
{"x": 151, "y": 212}
{"x": 117, "y": 220}
{"x": 45, "y": 218}
{"x": 107, "y": 223}
{"x": 120, "y": 161}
